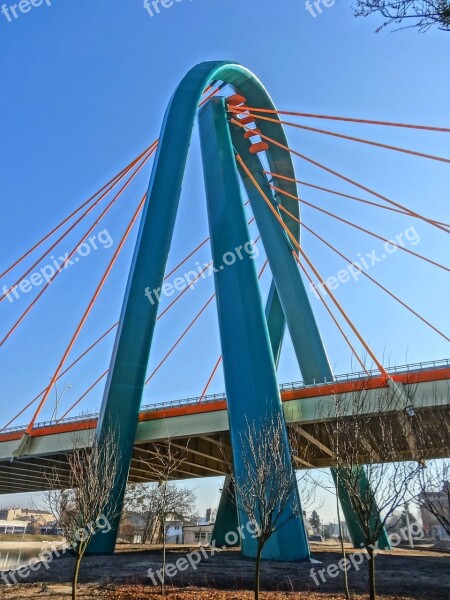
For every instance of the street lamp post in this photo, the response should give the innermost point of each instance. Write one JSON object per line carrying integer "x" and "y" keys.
{"x": 58, "y": 399}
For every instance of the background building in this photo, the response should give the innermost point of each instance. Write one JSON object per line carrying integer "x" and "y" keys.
{"x": 14, "y": 526}
{"x": 36, "y": 521}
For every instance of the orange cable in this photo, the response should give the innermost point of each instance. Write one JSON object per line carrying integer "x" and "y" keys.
{"x": 211, "y": 377}
{"x": 72, "y": 227}
{"x": 159, "y": 317}
{"x": 346, "y": 119}
{"x": 103, "y": 375}
{"x": 181, "y": 294}
{"x": 90, "y": 388}
{"x": 263, "y": 268}
{"x": 21, "y": 412}
{"x": 37, "y": 298}
{"x": 113, "y": 179}
{"x": 112, "y": 182}
{"x": 154, "y": 372}
{"x": 312, "y": 267}
{"x": 184, "y": 291}
{"x": 77, "y": 360}
{"x": 165, "y": 358}
{"x": 352, "y": 139}
{"x": 91, "y": 347}
{"x": 205, "y": 100}
{"x": 336, "y": 193}
{"x": 87, "y": 312}
{"x": 126, "y": 169}
{"x": 95, "y": 383}
{"x": 115, "y": 325}
{"x": 214, "y": 371}
{"x": 343, "y": 177}
{"x": 100, "y": 339}
{"x": 336, "y": 322}
{"x": 363, "y": 229}
{"x": 100, "y": 378}
{"x": 180, "y": 338}
{"x": 365, "y": 274}
{"x": 83, "y": 354}
{"x": 196, "y": 249}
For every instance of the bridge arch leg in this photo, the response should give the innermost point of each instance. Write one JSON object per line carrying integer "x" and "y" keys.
{"x": 308, "y": 345}
{"x": 249, "y": 369}
{"x": 124, "y": 387}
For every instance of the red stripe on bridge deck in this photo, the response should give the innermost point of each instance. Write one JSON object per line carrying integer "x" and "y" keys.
{"x": 51, "y": 430}
{"x": 411, "y": 377}
{"x": 178, "y": 411}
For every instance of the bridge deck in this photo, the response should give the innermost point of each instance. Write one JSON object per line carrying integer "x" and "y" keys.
{"x": 203, "y": 428}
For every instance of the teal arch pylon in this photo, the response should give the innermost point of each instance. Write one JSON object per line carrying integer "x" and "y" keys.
{"x": 126, "y": 378}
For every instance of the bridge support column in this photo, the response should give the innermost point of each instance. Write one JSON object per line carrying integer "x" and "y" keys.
{"x": 126, "y": 377}
{"x": 353, "y": 524}
{"x": 125, "y": 383}
{"x": 305, "y": 335}
{"x": 227, "y": 516}
{"x": 250, "y": 377}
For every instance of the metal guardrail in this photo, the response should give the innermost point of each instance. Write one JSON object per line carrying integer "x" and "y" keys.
{"x": 41, "y": 424}
{"x": 294, "y": 385}
{"x": 415, "y": 367}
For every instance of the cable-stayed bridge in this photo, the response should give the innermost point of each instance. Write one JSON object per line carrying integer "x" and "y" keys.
{"x": 202, "y": 429}
{"x": 248, "y": 166}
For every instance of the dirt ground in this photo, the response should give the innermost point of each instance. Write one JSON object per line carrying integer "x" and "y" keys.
{"x": 401, "y": 575}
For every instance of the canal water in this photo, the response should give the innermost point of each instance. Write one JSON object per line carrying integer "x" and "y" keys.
{"x": 12, "y": 557}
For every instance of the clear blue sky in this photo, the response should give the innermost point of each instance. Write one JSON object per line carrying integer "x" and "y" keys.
{"x": 84, "y": 88}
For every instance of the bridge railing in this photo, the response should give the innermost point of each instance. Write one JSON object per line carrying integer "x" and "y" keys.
{"x": 357, "y": 375}
{"x": 293, "y": 385}
{"x": 183, "y": 402}
{"x": 50, "y": 423}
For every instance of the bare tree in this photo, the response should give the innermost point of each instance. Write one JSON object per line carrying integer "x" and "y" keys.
{"x": 301, "y": 452}
{"x": 147, "y": 499}
{"x": 266, "y": 496}
{"x": 374, "y": 431}
{"x": 81, "y": 501}
{"x": 178, "y": 501}
{"x": 143, "y": 499}
{"x": 337, "y": 454}
{"x": 166, "y": 461}
{"x": 419, "y": 14}
{"x": 400, "y": 520}
{"x": 434, "y": 491}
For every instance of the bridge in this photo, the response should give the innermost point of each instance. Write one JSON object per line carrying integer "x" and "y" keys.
{"x": 244, "y": 149}
{"x": 202, "y": 428}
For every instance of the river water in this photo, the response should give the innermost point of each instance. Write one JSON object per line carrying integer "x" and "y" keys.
{"x": 13, "y": 556}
